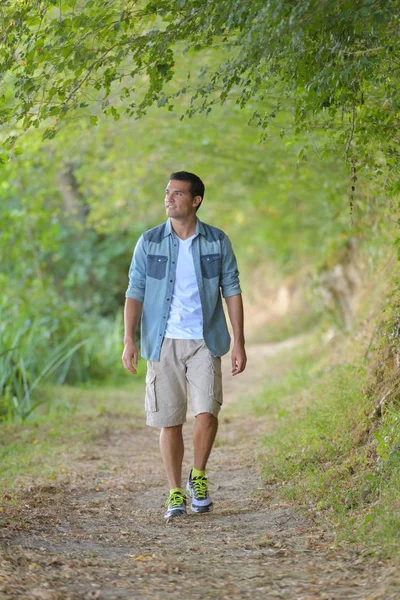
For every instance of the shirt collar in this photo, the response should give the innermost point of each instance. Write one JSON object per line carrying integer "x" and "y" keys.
{"x": 168, "y": 228}
{"x": 199, "y": 227}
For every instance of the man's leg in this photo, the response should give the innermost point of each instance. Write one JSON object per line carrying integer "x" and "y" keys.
{"x": 171, "y": 446}
{"x": 166, "y": 401}
{"x": 205, "y": 381}
{"x": 205, "y": 430}
{"x": 204, "y": 434}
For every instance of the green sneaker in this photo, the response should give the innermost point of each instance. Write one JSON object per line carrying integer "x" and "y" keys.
{"x": 176, "y": 505}
{"x": 197, "y": 488}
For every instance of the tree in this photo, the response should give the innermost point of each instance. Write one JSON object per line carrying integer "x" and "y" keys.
{"x": 333, "y": 64}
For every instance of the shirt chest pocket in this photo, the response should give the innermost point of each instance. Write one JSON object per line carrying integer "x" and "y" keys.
{"x": 211, "y": 265}
{"x": 157, "y": 266}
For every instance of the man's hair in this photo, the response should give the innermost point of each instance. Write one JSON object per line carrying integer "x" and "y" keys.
{"x": 196, "y": 185}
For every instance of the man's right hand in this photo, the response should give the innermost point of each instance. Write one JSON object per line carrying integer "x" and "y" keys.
{"x": 130, "y": 354}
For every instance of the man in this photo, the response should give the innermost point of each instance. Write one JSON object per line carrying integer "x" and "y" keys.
{"x": 177, "y": 273}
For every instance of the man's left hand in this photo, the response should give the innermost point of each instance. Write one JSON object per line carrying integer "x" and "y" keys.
{"x": 239, "y": 359}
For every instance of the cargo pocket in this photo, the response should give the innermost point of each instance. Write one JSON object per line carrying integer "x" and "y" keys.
{"x": 150, "y": 401}
{"x": 211, "y": 265}
{"x": 156, "y": 266}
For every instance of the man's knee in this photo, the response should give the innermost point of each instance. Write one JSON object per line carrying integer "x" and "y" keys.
{"x": 173, "y": 430}
{"x": 206, "y": 418}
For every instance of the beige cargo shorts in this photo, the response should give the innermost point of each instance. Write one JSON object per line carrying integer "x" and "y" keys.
{"x": 184, "y": 365}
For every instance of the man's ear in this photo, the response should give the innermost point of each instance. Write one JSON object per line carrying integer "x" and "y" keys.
{"x": 197, "y": 200}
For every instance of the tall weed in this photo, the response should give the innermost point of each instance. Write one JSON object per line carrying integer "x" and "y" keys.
{"x": 39, "y": 350}
{"x": 31, "y": 354}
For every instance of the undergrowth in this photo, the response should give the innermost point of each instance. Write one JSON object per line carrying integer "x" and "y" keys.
{"x": 336, "y": 446}
{"x": 38, "y": 352}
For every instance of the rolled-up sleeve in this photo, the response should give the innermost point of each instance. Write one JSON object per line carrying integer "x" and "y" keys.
{"x": 229, "y": 279}
{"x": 137, "y": 272}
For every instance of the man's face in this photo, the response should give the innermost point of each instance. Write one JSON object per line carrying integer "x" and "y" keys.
{"x": 179, "y": 202}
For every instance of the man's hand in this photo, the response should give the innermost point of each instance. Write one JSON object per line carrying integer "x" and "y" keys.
{"x": 130, "y": 354}
{"x": 239, "y": 358}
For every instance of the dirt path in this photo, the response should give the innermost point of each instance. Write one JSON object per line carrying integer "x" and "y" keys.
{"x": 100, "y": 533}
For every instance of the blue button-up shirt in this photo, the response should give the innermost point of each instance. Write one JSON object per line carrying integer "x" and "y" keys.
{"x": 152, "y": 276}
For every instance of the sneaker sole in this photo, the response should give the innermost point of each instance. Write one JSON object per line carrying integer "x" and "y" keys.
{"x": 202, "y": 509}
{"x": 176, "y": 514}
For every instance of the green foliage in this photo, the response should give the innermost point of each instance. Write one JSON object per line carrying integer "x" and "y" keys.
{"x": 334, "y": 64}
{"x": 57, "y": 286}
{"x": 59, "y": 348}
{"x": 20, "y": 373}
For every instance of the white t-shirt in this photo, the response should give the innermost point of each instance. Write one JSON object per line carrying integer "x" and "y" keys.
{"x": 185, "y": 319}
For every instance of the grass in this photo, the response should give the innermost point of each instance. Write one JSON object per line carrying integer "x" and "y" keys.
{"x": 289, "y": 376}
{"x": 42, "y": 447}
{"x": 290, "y": 325}
{"x": 327, "y": 450}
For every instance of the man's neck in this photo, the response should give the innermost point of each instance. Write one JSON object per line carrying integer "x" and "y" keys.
{"x": 184, "y": 228}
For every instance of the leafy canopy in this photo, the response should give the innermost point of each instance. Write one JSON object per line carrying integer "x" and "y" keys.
{"x": 332, "y": 63}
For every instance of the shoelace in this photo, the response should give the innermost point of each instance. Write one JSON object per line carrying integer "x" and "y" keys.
{"x": 175, "y": 499}
{"x": 200, "y": 486}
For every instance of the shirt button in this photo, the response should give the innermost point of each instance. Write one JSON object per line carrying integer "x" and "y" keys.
{"x": 173, "y": 262}
{"x": 170, "y": 280}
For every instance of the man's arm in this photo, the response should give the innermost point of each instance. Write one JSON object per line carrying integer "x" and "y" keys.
{"x": 132, "y": 314}
{"x": 133, "y": 304}
{"x": 235, "y": 312}
{"x": 229, "y": 281}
